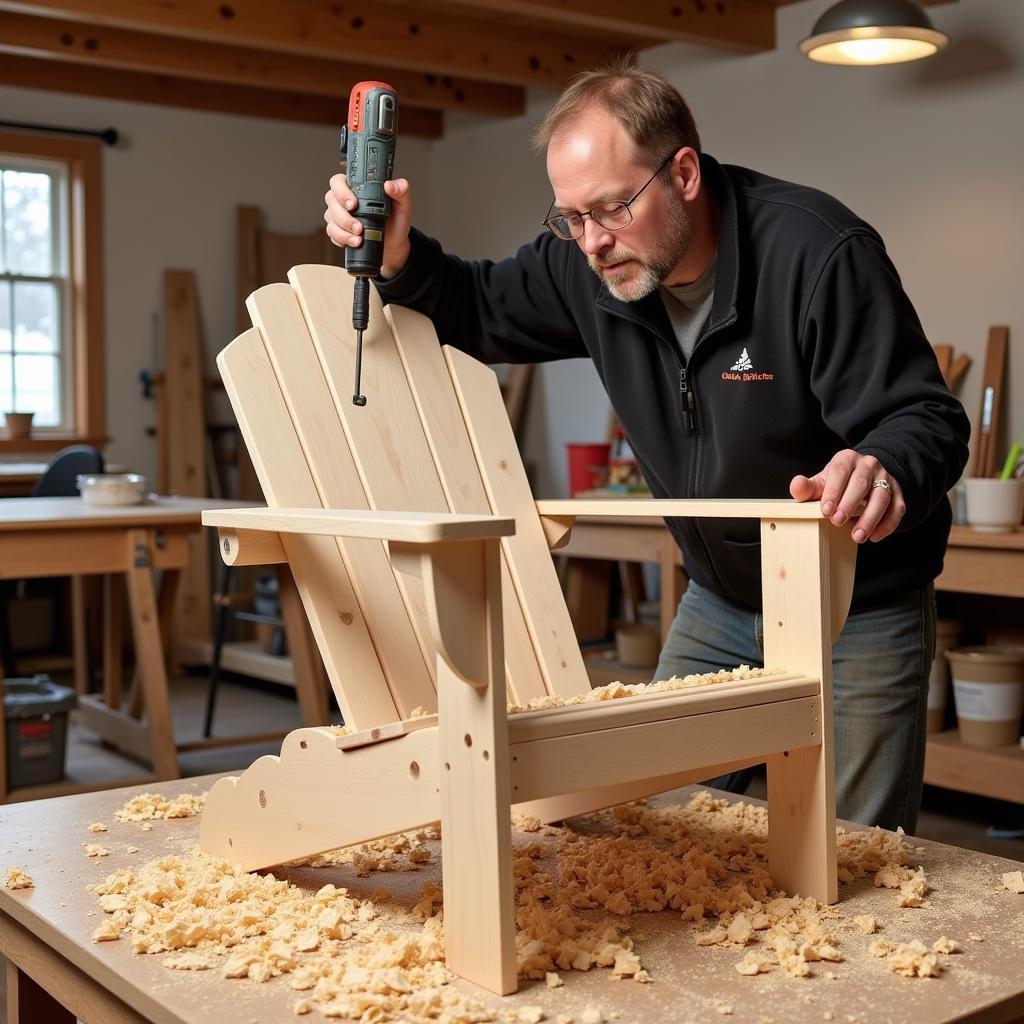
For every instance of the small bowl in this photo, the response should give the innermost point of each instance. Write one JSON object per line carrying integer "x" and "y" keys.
{"x": 112, "y": 488}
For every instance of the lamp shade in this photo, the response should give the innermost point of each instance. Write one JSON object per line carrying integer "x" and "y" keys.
{"x": 872, "y": 32}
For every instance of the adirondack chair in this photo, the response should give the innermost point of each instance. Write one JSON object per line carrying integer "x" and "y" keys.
{"x": 424, "y": 567}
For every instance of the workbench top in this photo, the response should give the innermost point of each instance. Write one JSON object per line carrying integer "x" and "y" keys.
{"x": 689, "y": 983}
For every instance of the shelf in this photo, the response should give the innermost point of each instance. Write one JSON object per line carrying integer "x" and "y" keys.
{"x": 247, "y": 658}
{"x": 985, "y": 771}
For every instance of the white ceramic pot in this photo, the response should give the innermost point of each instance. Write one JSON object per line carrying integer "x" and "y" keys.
{"x": 994, "y": 506}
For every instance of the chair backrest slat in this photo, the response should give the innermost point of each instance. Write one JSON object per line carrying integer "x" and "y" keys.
{"x": 455, "y": 459}
{"x": 526, "y": 553}
{"x": 433, "y": 437}
{"x": 320, "y": 574}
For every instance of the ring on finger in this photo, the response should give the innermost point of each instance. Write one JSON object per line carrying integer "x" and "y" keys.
{"x": 884, "y": 484}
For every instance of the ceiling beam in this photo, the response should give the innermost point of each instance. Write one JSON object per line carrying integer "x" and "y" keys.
{"x": 377, "y": 34}
{"x": 747, "y": 25}
{"x": 103, "y": 46}
{"x": 219, "y": 97}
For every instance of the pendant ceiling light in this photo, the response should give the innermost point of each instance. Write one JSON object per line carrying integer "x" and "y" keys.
{"x": 872, "y": 32}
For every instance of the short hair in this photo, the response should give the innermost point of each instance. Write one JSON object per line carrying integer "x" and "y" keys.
{"x": 652, "y": 111}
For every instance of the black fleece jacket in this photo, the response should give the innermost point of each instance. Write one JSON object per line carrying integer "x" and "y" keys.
{"x": 811, "y": 346}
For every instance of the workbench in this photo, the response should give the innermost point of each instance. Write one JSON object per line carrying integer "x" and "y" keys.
{"x": 42, "y": 537}
{"x": 57, "y": 973}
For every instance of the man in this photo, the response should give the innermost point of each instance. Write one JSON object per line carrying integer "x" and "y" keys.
{"x": 748, "y": 332}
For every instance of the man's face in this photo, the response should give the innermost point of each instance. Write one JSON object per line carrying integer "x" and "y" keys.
{"x": 597, "y": 162}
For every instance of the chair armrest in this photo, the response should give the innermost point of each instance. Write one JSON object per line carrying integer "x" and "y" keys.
{"x": 411, "y": 527}
{"x": 710, "y": 508}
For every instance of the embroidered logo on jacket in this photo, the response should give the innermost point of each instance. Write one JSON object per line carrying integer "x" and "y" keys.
{"x": 743, "y": 363}
{"x": 743, "y": 370}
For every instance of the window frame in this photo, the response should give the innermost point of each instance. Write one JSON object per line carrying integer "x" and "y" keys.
{"x": 84, "y": 302}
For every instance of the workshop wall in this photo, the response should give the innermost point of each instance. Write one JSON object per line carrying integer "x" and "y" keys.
{"x": 171, "y": 187}
{"x": 932, "y": 154}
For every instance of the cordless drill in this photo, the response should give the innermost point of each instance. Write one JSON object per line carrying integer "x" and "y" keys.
{"x": 368, "y": 156}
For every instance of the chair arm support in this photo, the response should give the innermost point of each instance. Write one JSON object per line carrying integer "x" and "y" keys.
{"x": 412, "y": 527}
{"x": 726, "y": 508}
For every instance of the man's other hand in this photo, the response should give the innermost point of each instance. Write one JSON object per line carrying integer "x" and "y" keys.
{"x": 849, "y": 482}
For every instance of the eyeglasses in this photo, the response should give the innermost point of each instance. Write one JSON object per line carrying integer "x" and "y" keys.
{"x": 613, "y": 216}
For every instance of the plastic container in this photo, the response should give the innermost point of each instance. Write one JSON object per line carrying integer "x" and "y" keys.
{"x": 110, "y": 489}
{"x": 588, "y": 465}
{"x": 988, "y": 688}
{"x": 36, "y": 712}
{"x": 994, "y": 506}
{"x": 947, "y": 635}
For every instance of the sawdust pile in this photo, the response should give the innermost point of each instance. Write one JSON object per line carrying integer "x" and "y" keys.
{"x": 150, "y": 806}
{"x": 616, "y": 691}
{"x": 576, "y": 892}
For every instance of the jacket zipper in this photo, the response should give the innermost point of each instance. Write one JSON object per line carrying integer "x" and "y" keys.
{"x": 687, "y": 401}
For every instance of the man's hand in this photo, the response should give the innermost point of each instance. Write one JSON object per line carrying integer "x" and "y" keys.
{"x": 343, "y": 228}
{"x": 849, "y": 480}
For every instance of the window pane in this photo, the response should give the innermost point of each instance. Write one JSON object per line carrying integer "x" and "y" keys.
{"x": 6, "y": 394}
{"x": 27, "y": 212}
{"x": 37, "y": 388}
{"x": 5, "y": 317}
{"x": 36, "y": 322}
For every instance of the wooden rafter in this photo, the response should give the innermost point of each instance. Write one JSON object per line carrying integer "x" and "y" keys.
{"x": 126, "y": 49}
{"x": 384, "y": 36}
{"x": 731, "y": 24}
{"x": 143, "y": 87}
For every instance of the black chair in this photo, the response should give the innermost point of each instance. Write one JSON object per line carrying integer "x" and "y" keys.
{"x": 59, "y": 480}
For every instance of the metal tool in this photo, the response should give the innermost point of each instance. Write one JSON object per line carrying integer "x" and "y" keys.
{"x": 368, "y": 156}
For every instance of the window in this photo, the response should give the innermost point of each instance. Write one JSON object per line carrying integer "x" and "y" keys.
{"x": 51, "y": 314}
{"x": 35, "y": 343}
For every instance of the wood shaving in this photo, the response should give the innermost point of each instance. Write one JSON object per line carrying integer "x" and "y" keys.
{"x": 945, "y": 946}
{"x": 1014, "y": 881}
{"x": 616, "y": 691}
{"x": 97, "y": 826}
{"x": 147, "y": 806}
{"x": 706, "y": 861}
{"x": 866, "y": 924}
{"x": 18, "y": 879}
{"x": 92, "y": 850}
{"x": 913, "y": 960}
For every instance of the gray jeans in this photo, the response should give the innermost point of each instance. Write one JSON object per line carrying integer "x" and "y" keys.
{"x": 880, "y": 667}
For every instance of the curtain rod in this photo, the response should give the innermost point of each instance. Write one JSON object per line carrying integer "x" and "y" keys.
{"x": 108, "y": 135}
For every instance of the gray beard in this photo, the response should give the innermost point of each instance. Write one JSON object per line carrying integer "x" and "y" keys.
{"x": 670, "y": 248}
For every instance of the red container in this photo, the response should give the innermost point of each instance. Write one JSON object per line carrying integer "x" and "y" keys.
{"x": 588, "y": 465}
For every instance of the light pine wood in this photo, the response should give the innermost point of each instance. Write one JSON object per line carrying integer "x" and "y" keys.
{"x": 149, "y": 653}
{"x": 310, "y": 688}
{"x": 452, "y": 450}
{"x": 411, "y": 527}
{"x": 322, "y": 572}
{"x": 430, "y": 471}
{"x": 557, "y": 529}
{"x": 320, "y": 420}
{"x": 732, "y": 508}
{"x": 250, "y": 547}
{"x": 795, "y": 569}
{"x": 185, "y": 410}
{"x": 526, "y": 554}
{"x": 464, "y": 595}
